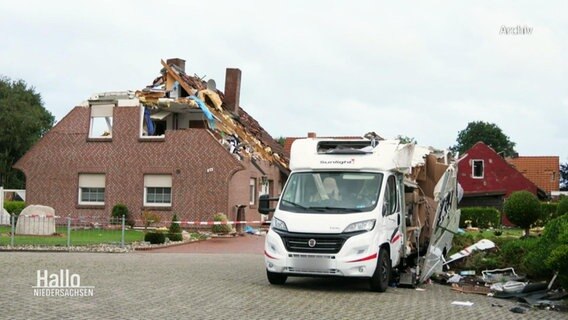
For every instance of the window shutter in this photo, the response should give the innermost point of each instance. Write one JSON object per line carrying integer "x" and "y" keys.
{"x": 155, "y": 180}
{"x": 91, "y": 180}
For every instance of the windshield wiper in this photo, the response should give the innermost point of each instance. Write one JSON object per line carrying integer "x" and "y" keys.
{"x": 297, "y": 205}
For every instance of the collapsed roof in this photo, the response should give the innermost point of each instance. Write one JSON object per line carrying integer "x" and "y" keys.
{"x": 174, "y": 91}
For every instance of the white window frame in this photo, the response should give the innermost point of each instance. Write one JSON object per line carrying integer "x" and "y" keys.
{"x": 473, "y": 161}
{"x": 252, "y": 191}
{"x": 91, "y": 180}
{"x": 157, "y": 181}
{"x": 163, "y": 115}
{"x": 101, "y": 111}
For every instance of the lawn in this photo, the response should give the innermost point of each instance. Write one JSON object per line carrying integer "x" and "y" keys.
{"x": 78, "y": 237}
{"x": 506, "y": 232}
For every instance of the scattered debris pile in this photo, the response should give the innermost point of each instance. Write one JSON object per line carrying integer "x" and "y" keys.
{"x": 175, "y": 95}
{"x": 507, "y": 284}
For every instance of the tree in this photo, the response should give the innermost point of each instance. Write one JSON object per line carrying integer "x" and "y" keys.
{"x": 23, "y": 121}
{"x": 281, "y": 140}
{"x": 564, "y": 176}
{"x": 523, "y": 209}
{"x": 488, "y": 133}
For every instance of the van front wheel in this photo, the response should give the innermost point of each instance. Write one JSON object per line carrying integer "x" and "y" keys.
{"x": 380, "y": 279}
{"x": 276, "y": 278}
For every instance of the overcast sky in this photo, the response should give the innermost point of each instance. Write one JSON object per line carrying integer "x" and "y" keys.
{"x": 423, "y": 69}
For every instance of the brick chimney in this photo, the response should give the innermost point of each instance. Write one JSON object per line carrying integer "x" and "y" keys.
{"x": 311, "y": 134}
{"x": 232, "y": 89}
{"x": 180, "y": 63}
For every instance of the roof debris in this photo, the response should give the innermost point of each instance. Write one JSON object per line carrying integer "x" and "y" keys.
{"x": 176, "y": 92}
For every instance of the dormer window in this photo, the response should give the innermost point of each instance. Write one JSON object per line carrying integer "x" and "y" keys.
{"x": 101, "y": 121}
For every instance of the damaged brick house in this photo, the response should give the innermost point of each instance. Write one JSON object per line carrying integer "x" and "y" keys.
{"x": 177, "y": 146}
{"x": 488, "y": 179}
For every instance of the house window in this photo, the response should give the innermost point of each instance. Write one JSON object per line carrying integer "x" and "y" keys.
{"x": 252, "y": 191}
{"x": 101, "y": 121}
{"x": 158, "y": 190}
{"x": 153, "y": 123}
{"x": 477, "y": 169}
{"x": 91, "y": 189}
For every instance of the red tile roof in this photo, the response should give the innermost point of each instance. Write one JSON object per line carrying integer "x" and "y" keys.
{"x": 542, "y": 171}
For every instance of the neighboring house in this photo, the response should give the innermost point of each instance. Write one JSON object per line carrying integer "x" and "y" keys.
{"x": 178, "y": 146}
{"x": 488, "y": 179}
{"x": 542, "y": 171}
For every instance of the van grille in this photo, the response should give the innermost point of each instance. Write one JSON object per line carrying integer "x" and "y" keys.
{"x": 327, "y": 244}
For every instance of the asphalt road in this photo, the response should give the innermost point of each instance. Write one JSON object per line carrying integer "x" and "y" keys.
{"x": 218, "y": 286}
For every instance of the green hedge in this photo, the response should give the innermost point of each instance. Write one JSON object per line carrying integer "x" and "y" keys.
{"x": 547, "y": 213}
{"x": 155, "y": 237}
{"x": 551, "y": 252}
{"x": 562, "y": 208}
{"x": 481, "y": 217}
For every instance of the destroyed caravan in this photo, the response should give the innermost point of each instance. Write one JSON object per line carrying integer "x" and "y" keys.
{"x": 357, "y": 208}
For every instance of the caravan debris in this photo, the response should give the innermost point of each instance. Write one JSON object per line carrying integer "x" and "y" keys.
{"x": 482, "y": 244}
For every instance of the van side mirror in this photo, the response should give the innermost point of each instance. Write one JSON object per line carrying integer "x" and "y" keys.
{"x": 264, "y": 204}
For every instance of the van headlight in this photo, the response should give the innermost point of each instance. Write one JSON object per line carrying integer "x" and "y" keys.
{"x": 278, "y": 224}
{"x": 366, "y": 225}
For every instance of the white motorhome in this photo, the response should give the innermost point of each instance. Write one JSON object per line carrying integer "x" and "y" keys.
{"x": 362, "y": 208}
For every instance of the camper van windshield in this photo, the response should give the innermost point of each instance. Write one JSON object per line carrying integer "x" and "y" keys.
{"x": 331, "y": 192}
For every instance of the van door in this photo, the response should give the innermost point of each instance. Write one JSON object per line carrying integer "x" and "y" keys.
{"x": 392, "y": 212}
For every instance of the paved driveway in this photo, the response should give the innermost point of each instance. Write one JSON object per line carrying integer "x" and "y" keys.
{"x": 218, "y": 286}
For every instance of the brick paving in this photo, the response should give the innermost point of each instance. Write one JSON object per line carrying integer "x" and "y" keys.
{"x": 242, "y": 244}
{"x": 219, "y": 286}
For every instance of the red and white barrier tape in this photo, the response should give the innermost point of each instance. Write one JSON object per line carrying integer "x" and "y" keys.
{"x": 201, "y": 223}
{"x": 209, "y": 223}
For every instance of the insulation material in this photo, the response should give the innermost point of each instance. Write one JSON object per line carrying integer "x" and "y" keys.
{"x": 211, "y": 98}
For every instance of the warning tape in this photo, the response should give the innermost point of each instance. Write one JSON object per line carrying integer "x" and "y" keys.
{"x": 39, "y": 216}
{"x": 201, "y": 223}
{"x": 209, "y": 223}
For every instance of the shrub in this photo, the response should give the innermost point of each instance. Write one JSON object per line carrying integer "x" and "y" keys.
{"x": 120, "y": 210}
{"x": 523, "y": 209}
{"x": 548, "y": 212}
{"x": 482, "y": 260}
{"x": 155, "y": 237}
{"x": 558, "y": 260}
{"x": 175, "y": 230}
{"x": 14, "y": 207}
{"x": 481, "y": 217}
{"x": 562, "y": 207}
{"x": 221, "y": 228}
{"x": 150, "y": 218}
{"x": 514, "y": 251}
{"x": 550, "y": 250}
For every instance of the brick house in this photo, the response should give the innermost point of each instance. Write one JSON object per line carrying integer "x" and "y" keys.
{"x": 542, "y": 171}
{"x": 178, "y": 146}
{"x": 488, "y": 179}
